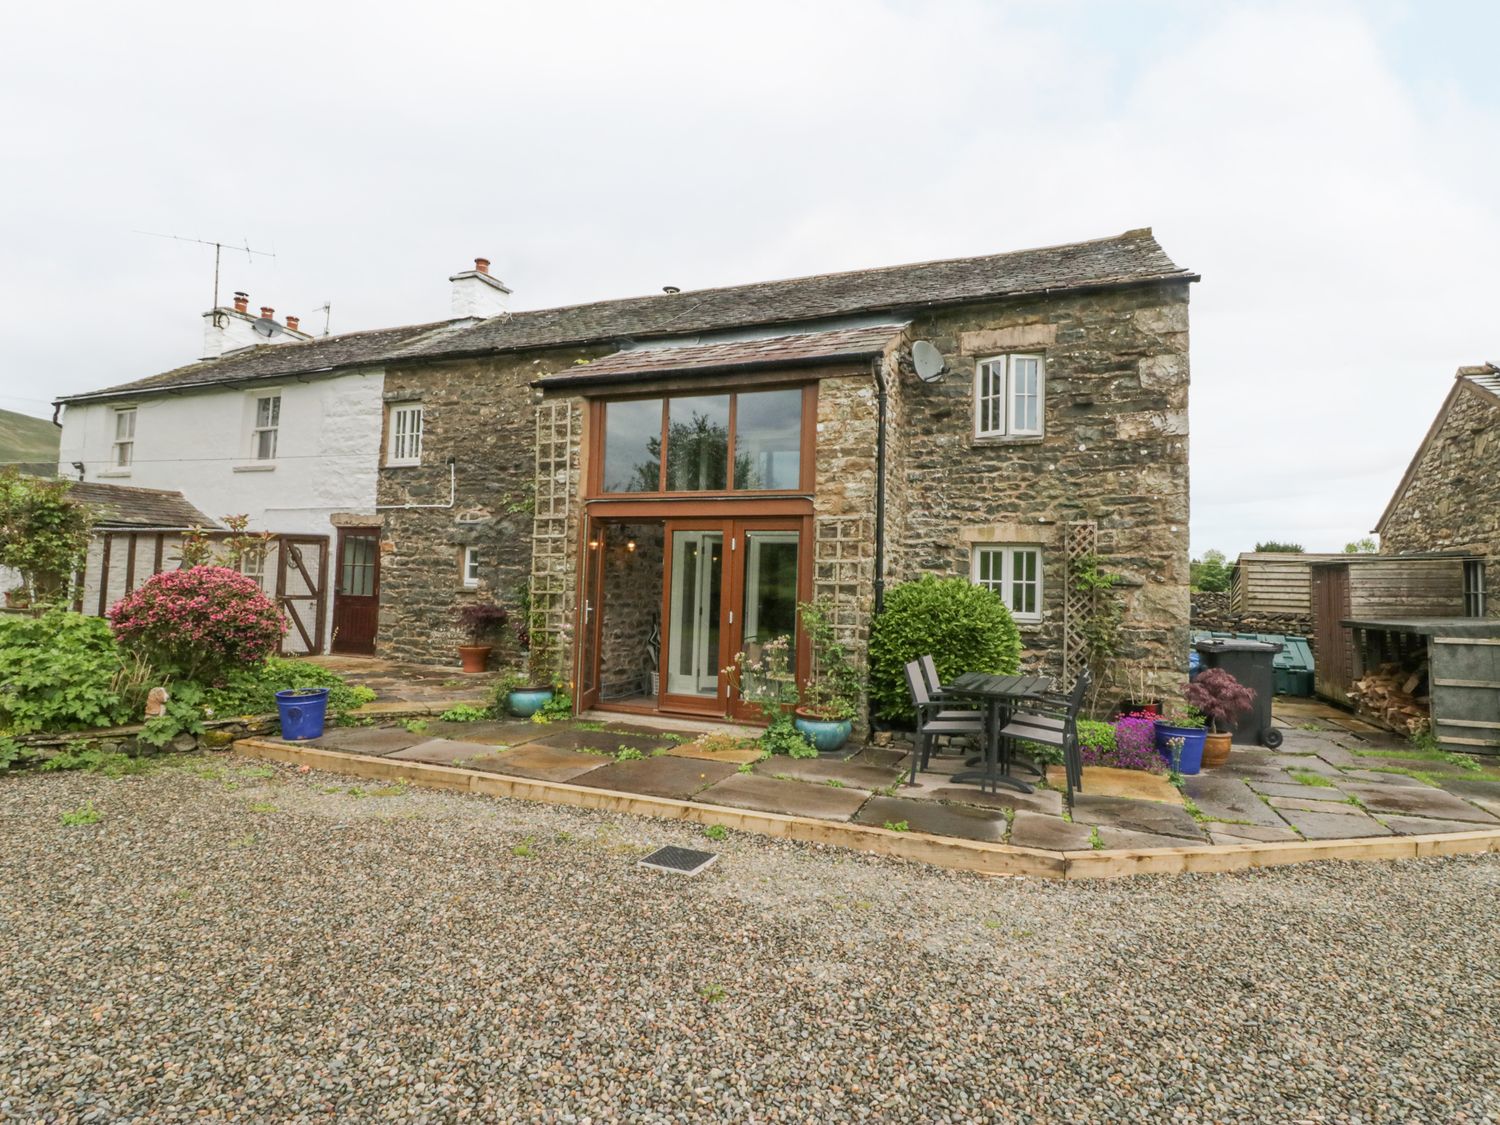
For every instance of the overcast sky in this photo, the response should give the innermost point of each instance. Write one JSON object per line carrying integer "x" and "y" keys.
{"x": 1332, "y": 170}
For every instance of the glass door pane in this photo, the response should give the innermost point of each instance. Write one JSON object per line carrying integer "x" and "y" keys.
{"x": 697, "y": 587}
{"x": 770, "y": 609}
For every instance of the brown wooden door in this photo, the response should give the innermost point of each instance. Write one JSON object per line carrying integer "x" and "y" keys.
{"x": 596, "y": 542}
{"x": 1334, "y": 660}
{"x": 356, "y": 597}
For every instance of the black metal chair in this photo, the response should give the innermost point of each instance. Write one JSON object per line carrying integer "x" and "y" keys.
{"x": 1058, "y": 729}
{"x": 935, "y": 719}
{"x": 950, "y": 699}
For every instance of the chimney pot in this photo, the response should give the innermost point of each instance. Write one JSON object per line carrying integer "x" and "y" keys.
{"x": 293, "y": 321}
{"x": 241, "y": 302}
{"x": 482, "y": 265}
{"x": 269, "y": 314}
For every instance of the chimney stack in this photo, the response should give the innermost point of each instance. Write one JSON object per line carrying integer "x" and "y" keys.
{"x": 478, "y": 295}
{"x": 242, "y": 302}
{"x": 268, "y": 314}
{"x": 293, "y": 321}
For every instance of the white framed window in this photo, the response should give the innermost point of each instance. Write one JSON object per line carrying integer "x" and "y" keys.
{"x": 124, "y": 444}
{"x": 267, "y": 424}
{"x": 253, "y": 563}
{"x": 1475, "y": 604}
{"x": 405, "y": 446}
{"x": 1008, "y": 396}
{"x": 1015, "y": 573}
{"x": 471, "y": 567}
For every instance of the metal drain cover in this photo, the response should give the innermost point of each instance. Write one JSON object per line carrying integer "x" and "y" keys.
{"x": 679, "y": 861}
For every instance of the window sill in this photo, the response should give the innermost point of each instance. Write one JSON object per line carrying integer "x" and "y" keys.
{"x": 113, "y": 474}
{"x": 256, "y": 467}
{"x": 402, "y": 465}
{"x": 1008, "y": 439}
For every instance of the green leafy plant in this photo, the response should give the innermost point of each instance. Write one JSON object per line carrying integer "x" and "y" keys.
{"x": 557, "y": 709}
{"x": 1307, "y": 777}
{"x": 745, "y": 767}
{"x": 415, "y": 726}
{"x": 782, "y": 737}
{"x": 464, "y": 713}
{"x": 763, "y": 677}
{"x": 831, "y": 688}
{"x": 63, "y": 671}
{"x": 628, "y": 754}
{"x": 1095, "y": 840}
{"x": 43, "y": 534}
{"x": 897, "y": 826}
{"x": 78, "y": 817}
{"x": 716, "y": 832}
{"x": 964, "y": 627}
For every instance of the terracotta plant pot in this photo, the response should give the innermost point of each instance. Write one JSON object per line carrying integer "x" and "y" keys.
{"x": 475, "y": 658}
{"x": 1216, "y": 750}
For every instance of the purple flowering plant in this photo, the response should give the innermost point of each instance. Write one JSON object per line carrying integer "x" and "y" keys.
{"x": 198, "y": 623}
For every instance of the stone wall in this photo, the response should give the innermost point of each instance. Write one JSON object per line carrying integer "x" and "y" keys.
{"x": 1453, "y": 500}
{"x": 1114, "y": 452}
{"x": 482, "y": 413}
{"x": 632, "y": 593}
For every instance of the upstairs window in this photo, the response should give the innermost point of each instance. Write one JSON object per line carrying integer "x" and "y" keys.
{"x": 267, "y": 423}
{"x": 749, "y": 441}
{"x": 405, "y": 446}
{"x": 1008, "y": 399}
{"x": 1474, "y": 592}
{"x": 1015, "y": 573}
{"x": 124, "y": 446}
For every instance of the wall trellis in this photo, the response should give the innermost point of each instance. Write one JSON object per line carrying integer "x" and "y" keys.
{"x": 843, "y": 562}
{"x": 1080, "y": 540}
{"x": 550, "y": 521}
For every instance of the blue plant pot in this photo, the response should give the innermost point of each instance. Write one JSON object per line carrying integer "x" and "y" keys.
{"x": 526, "y": 703}
{"x": 827, "y": 735}
{"x": 1190, "y": 760}
{"x": 302, "y": 711}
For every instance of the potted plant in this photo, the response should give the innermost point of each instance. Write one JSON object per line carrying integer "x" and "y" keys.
{"x": 524, "y": 695}
{"x": 1189, "y": 725}
{"x": 831, "y": 689}
{"x": 1141, "y": 702}
{"x": 1224, "y": 700}
{"x": 479, "y": 620}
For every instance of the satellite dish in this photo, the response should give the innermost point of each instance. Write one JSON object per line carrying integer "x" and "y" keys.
{"x": 928, "y": 361}
{"x": 267, "y": 327}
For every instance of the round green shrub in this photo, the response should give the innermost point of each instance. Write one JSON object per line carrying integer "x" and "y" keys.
{"x": 964, "y": 627}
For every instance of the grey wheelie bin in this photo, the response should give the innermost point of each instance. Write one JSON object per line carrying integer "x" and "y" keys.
{"x": 1252, "y": 663}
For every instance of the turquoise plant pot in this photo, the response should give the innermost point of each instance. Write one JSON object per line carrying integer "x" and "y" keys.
{"x": 827, "y": 735}
{"x": 528, "y": 701}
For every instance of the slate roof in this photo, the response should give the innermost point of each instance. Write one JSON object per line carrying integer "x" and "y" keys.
{"x": 1131, "y": 258}
{"x": 121, "y": 506}
{"x": 269, "y": 361}
{"x": 777, "y": 351}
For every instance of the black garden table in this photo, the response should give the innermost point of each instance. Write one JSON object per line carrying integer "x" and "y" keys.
{"x": 999, "y": 694}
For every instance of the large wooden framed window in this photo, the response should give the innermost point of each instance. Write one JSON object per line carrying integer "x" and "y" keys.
{"x": 751, "y": 440}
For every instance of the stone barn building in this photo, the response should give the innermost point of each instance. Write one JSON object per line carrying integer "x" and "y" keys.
{"x": 664, "y": 477}
{"x": 1449, "y": 498}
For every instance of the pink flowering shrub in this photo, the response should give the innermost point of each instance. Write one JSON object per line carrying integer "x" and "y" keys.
{"x": 200, "y": 622}
{"x": 1135, "y": 743}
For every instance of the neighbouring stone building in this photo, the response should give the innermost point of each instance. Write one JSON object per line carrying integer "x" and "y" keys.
{"x": 1449, "y": 498}
{"x": 656, "y": 482}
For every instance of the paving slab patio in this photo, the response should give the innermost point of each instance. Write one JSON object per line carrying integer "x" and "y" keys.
{"x": 1150, "y": 817}
{"x": 490, "y": 732}
{"x": 935, "y": 818}
{"x": 1424, "y": 826}
{"x": 1335, "y": 826}
{"x": 376, "y": 741}
{"x": 826, "y": 769}
{"x": 1034, "y": 830}
{"x": 794, "y": 798}
{"x": 570, "y": 737}
{"x": 443, "y": 752}
{"x": 1229, "y": 798}
{"x": 1409, "y": 801}
{"x": 677, "y": 778}
{"x": 1289, "y": 788}
{"x": 538, "y": 762}
{"x": 1046, "y": 801}
{"x": 736, "y": 754}
{"x": 1255, "y": 833}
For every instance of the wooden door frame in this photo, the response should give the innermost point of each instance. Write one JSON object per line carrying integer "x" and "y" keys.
{"x": 665, "y": 699}
{"x": 283, "y": 544}
{"x": 367, "y": 531}
{"x": 734, "y": 637}
{"x": 591, "y": 631}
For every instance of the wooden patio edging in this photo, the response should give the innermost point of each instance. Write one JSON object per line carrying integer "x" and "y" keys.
{"x": 940, "y": 851}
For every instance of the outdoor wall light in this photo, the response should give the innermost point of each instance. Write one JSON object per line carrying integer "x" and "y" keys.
{"x": 593, "y": 544}
{"x": 630, "y": 544}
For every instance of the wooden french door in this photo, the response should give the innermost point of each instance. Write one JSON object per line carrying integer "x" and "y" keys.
{"x": 596, "y": 544}
{"x": 356, "y": 596}
{"x": 727, "y": 586}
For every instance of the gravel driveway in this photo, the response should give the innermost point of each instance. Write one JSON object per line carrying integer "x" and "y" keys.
{"x": 230, "y": 941}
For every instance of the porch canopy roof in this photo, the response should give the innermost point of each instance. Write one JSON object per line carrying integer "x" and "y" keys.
{"x": 800, "y": 349}
{"x": 121, "y": 507}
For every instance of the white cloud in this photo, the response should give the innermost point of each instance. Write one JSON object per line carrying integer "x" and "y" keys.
{"x": 1342, "y": 213}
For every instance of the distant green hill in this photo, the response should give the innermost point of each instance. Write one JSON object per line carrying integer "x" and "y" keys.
{"x": 32, "y": 441}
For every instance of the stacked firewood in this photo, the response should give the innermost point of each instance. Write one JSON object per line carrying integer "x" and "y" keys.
{"x": 1394, "y": 696}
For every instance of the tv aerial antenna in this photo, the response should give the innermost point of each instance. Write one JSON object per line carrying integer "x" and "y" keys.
{"x": 219, "y": 248}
